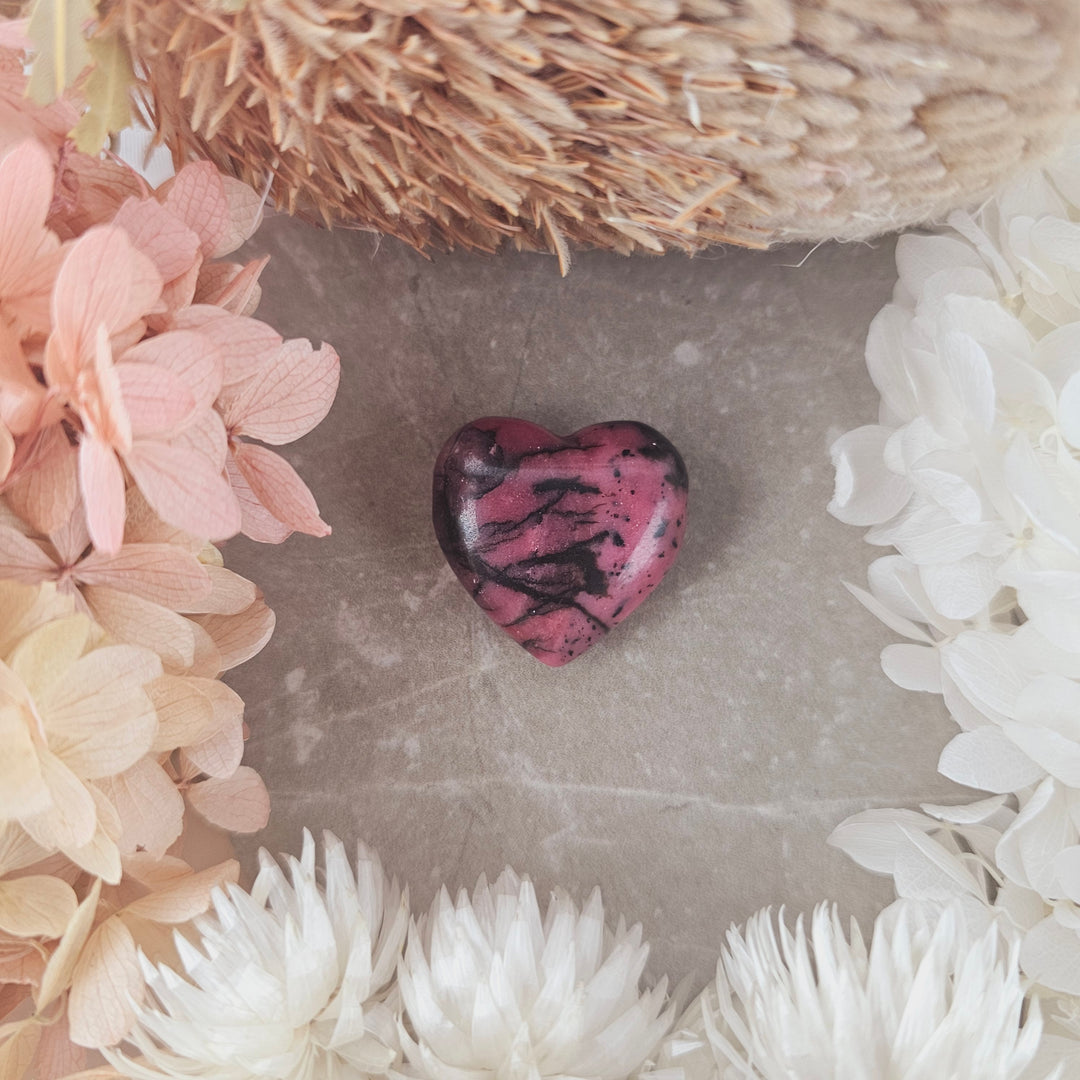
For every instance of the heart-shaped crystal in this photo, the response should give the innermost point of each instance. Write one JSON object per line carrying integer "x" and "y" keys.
{"x": 558, "y": 539}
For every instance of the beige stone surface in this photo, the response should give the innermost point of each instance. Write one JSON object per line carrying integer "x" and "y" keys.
{"x": 694, "y": 762}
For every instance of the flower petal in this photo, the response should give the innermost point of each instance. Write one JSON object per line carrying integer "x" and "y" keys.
{"x": 239, "y": 637}
{"x": 157, "y": 401}
{"x": 102, "y": 483}
{"x": 239, "y": 803}
{"x": 186, "y": 896}
{"x": 184, "y": 490}
{"x": 106, "y": 984}
{"x": 288, "y": 397}
{"x": 140, "y": 622}
{"x": 189, "y": 355}
{"x": 185, "y": 711}
{"x": 162, "y": 573}
{"x": 867, "y": 493}
{"x": 278, "y": 487}
{"x": 21, "y": 559}
{"x": 160, "y": 235}
{"x": 45, "y": 494}
{"x": 151, "y": 810}
{"x": 61, "y": 965}
{"x": 196, "y": 195}
{"x": 36, "y": 906}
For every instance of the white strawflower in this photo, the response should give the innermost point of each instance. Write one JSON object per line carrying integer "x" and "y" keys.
{"x": 929, "y": 1001}
{"x": 494, "y": 991}
{"x": 291, "y": 982}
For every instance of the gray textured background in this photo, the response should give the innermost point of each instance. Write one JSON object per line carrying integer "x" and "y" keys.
{"x": 693, "y": 763}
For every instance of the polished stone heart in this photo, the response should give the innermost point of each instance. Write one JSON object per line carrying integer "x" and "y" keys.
{"x": 558, "y": 539}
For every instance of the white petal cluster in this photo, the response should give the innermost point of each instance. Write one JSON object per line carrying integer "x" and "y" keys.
{"x": 972, "y": 475}
{"x": 927, "y": 1001}
{"x": 294, "y": 981}
{"x": 493, "y": 990}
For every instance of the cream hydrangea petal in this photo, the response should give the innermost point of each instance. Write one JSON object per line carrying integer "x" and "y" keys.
{"x": 866, "y": 492}
{"x": 71, "y": 817}
{"x": 23, "y": 789}
{"x": 36, "y": 906}
{"x": 45, "y": 655}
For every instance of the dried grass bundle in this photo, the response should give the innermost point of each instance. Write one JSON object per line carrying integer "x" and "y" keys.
{"x": 622, "y": 124}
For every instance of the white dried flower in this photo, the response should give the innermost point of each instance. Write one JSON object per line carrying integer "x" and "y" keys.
{"x": 291, "y": 982}
{"x": 972, "y": 473}
{"x": 494, "y": 991}
{"x": 928, "y": 1001}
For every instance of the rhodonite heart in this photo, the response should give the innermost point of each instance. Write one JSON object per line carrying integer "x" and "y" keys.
{"x": 558, "y": 539}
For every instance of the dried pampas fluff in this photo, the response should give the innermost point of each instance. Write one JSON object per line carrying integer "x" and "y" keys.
{"x": 652, "y": 124}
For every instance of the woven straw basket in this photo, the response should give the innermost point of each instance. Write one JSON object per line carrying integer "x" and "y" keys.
{"x": 621, "y": 124}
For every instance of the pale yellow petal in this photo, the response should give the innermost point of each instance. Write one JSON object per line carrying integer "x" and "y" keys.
{"x": 70, "y": 819}
{"x": 105, "y": 982}
{"x": 229, "y": 594}
{"x": 22, "y": 787}
{"x": 62, "y": 963}
{"x": 26, "y": 607}
{"x": 104, "y": 735}
{"x": 45, "y": 655}
{"x": 113, "y": 669}
{"x": 36, "y": 906}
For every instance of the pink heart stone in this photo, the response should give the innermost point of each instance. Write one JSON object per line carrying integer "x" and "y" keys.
{"x": 559, "y": 539}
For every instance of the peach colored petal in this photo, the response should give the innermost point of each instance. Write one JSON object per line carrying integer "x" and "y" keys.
{"x": 151, "y": 810}
{"x": 247, "y": 345}
{"x": 163, "y": 573}
{"x": 152, "y": 872}
{"x": 175, "y": 297}
{"x": 71, "y": 539}
{"x": 58, "y": 1058}
{"x": 46, "y": 492}
{"x": 36, "y": 906}
{"x": 189, "y": 355}
{"x": 17, "y": 852}
{"x": 24, "y": 404}
{"x": 71, "y": 819}
{"x": 220, "y": 751}
{"x": 275, "y": 483}
{"x": 245, "y": 215}
{"x": 20, "y": 964}
{"x": 100, "y": 402}
{"x": 185, "y": 712}
{"x": 240, "y": 803}
{"x": 231, "y": 286}
{"x": 12, "y": 995}
{"x": 205, "y": 436}
{"x": 229, "y": 594}
{"x": 104, "y": 281}
{"x": 90, "y": 190}
{"x": 141, "y": 622}
{"x": 184, "y": 489}
{"x": 289, "y": 397}
{"x": 101, "y": 857}
{"x": 21, "y": 559}
{"x": 58, "y": 971}
{"x": 101, "y": 481}
{"x": 104, "y": 986}
{"x": 196, "y": 195}
{"x": 158, "y": 402}
{"x": 18, "y": 1045}
{"x": 256, "y": 521}
{"x": 208, "y": 662}
{"x": 184, "y": 897}
{"x": 26, "y": 187}
{"x": 144, "y": 526}
{"x": 160, "y": 235}
{"x": 239, "y": 637}
{"x": 7, "y": 450}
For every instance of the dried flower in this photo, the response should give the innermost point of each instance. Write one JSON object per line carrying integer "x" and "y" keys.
{"x": 927, "y": 1000}
{"x": 292, "y": 982}
{"x": 535, "y": 995}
